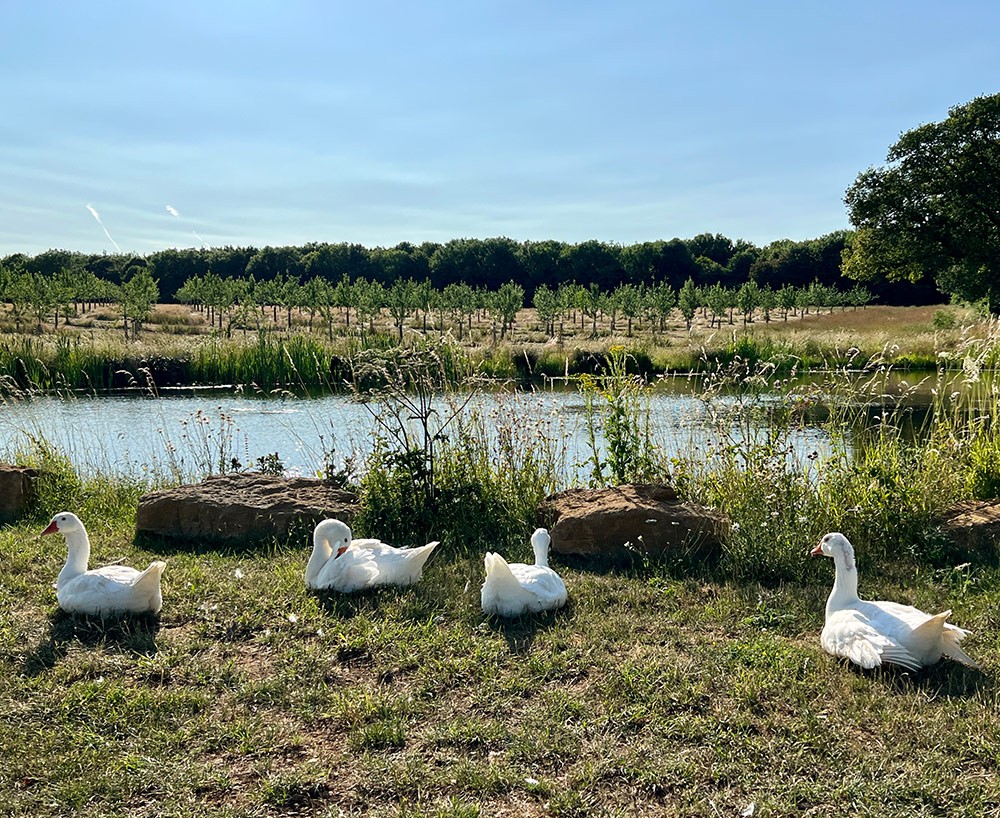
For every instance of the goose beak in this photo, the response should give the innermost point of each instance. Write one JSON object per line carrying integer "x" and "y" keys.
{"x": 52, "y": 529}
{"x": 817, "y": 551}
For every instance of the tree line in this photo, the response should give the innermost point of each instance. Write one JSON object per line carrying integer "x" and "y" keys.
{"x": 487, "y": 264}
{"x": 246, "y": 303}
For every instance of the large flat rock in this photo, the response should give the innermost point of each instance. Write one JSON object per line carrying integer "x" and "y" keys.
{"x": 616, "y": 522}
{"x": 18, "y": 486}
{"x": 973, "y": 530}
{"x": 242, "y": 507}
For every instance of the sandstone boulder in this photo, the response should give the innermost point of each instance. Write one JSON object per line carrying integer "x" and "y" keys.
{"x": 242, "y": 507}
{"x": 620, "y": 521}
{"x": 972, "y": 528}
{"x": 17, "y": 491}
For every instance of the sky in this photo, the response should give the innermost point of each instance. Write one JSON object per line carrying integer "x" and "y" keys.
{"x": 141, "y": 126}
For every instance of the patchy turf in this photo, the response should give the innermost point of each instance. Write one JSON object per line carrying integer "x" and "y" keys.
{"x": 649, "y": 694}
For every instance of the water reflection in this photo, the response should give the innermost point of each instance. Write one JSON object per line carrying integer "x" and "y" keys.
{"x": 193, "y": 431}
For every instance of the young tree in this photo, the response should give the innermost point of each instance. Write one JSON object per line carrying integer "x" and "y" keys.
{"x": 717, "y": 300}
{"x": 589, "y": 300}
{"x": 506, "y": 303}
{"x": 688, "y": 301}
{"x": 787, "y": 300}
{"x": 401, "y": 299}
{"x": 424, "y": 296}
{"x": 768, "y": 301}
{"x": 460, "y": 301}
{"x": 345, "y": 297}
{"x": 659, "y": 303}
{"x": 325, "y": 301}
{"x": 371, "y": 298}
{"x": 138, "y": 296}
{"x": 748, "y": 299}
{"x": 858, "y": 296}
{"x": 546, "y": 304}
{"x": 629, "y": 298}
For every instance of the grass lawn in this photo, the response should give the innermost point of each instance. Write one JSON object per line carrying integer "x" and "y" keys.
{"x": 650, "y": 694}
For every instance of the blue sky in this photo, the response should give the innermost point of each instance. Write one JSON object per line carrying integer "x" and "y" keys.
{"x": 288, "y": 122}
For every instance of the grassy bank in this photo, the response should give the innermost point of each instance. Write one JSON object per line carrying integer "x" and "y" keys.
{"x": 179, "y": 350}
{"x": 650, "y": 694}
{"x": 663, "y": 688}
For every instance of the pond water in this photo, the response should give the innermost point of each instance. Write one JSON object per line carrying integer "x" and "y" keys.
{"x": 191, "y": 433}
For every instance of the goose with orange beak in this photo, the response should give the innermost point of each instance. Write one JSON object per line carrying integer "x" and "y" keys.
{"x": 113, "y": 590}
{"x": 341, "y": 563}
{"x": 870, "y": 634}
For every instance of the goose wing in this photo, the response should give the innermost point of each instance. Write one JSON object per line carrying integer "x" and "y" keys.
{"x": 850, "y": 635}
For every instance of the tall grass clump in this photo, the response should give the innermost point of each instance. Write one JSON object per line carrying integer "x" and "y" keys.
{"x": 896, "y": 470}
{"x": 753, "y": 467}
{"x": 110, "y": 498}
{"x": 60, "y": 363}
{"x": 884, "y": 472}
{"x": 443, "y": 468}
{"x": 620, "y": 443}
{"x": 270, "y": 362}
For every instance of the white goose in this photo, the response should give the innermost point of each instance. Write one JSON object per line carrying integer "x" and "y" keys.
{"x": 341, "y": 563}
{"x": 515, "y": 589}
{"x": 108, "y": 591}
{"x": 870, "y": 633}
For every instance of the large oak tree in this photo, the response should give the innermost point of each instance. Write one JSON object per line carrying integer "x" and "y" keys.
{"x": 934, "y": 209}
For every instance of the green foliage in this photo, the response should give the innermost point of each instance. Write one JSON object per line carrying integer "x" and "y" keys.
{"x": 932, "y": 209}
{"x": 443, "y": 469}
{"x": 944, "y": 319}
{"x": 295, "y": 361}
{"x": 618, "y": 417}
{"x": 109, "y": 497}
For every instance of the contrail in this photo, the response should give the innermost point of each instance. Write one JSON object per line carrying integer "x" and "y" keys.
{"x": 96, "y": 215}
{"x": 173, "y": 212}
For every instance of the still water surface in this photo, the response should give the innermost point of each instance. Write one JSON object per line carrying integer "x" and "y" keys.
{"x": 188, "y": 432}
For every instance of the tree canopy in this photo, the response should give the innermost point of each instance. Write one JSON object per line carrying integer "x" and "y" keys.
{"x": 934, "y": 209}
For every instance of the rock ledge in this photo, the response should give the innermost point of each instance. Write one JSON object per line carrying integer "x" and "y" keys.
{"x": 245, "y": 506}
{"x": 645, "y": 518}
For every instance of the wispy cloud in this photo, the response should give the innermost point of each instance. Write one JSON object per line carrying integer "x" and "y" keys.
{"x": 173, "y": 212}
{"x": 97, "y": 216}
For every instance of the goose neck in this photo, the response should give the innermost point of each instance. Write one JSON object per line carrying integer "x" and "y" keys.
{"x": 321, "y": 553}
{"x": 845, "y": 582}
{"x": 77, "y": 556}
{"x": 541, "y": 555}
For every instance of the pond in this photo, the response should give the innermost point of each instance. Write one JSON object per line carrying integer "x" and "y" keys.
{"x": 188, "y": 433}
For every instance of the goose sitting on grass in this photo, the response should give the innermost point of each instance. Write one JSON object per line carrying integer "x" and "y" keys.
{"x": 515, "y": 589}
{"x": 109, "y": 591}
{"x": 341, "y": 563}
{"x": 872, "y": 633}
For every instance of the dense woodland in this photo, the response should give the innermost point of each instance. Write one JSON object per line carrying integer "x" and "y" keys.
{"x": 485, "y": 264}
